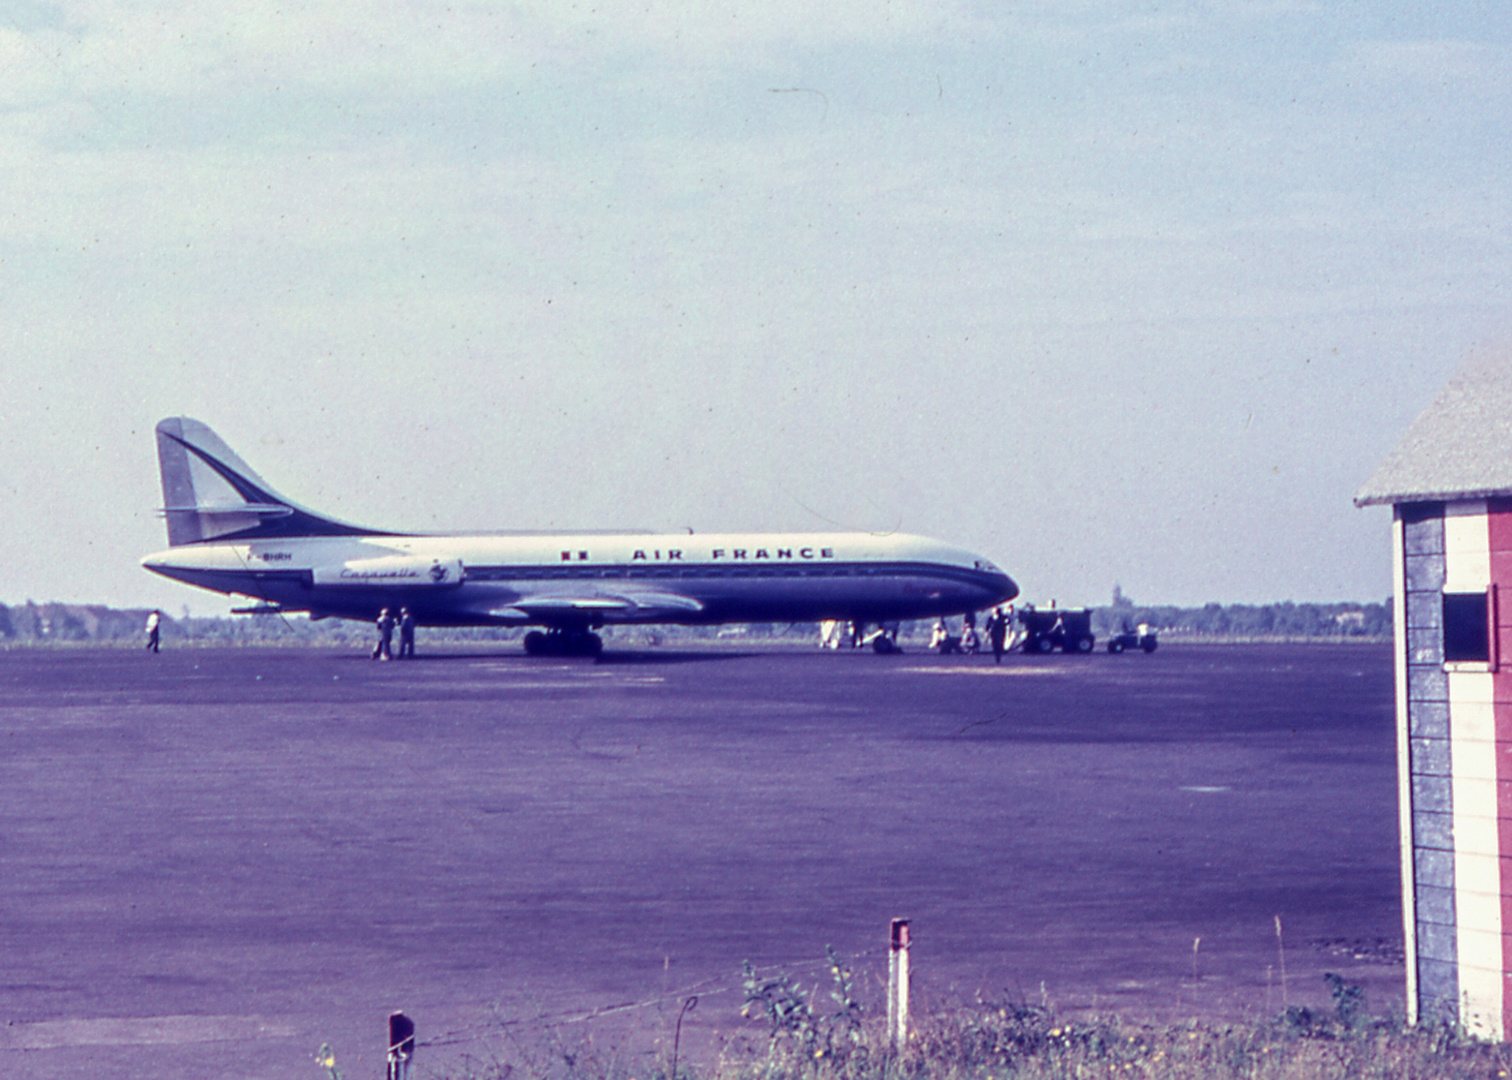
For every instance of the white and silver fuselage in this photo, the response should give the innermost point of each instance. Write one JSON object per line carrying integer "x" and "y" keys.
{"x": 583, "y": 580}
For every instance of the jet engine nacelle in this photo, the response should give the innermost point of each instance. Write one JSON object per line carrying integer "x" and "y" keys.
{"x": 393, "y": 571}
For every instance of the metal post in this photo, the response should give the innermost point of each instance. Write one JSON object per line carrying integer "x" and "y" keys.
{"x": 401, "y": 1045}
{"x": 688, "y": 1006}
{"x": 897, "y": 985}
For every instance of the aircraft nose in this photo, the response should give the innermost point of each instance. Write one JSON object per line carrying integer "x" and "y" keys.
{"x": 1003, "y": 588}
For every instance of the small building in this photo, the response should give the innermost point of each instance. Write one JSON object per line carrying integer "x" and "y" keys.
{"x": 1449, "y": 483}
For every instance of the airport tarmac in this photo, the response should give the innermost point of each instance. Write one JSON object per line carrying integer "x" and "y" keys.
{"x": 214, "y": 860}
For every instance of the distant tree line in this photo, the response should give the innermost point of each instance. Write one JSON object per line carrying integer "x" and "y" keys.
{"x": 40, "y": 624}
{"x": 32, "y": 623}
{"x": 53, "y": 623}
{"x": 1285, "y": 620}
{"x": 61, "y": 624}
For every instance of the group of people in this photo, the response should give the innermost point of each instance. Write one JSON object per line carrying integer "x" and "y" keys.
{"x": 386, "y": 623}
{"x": 381, "y": 651}
{"x": 968, "y": 641}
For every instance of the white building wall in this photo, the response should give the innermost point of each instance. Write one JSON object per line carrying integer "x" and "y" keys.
{"x": 1472, "y": 746}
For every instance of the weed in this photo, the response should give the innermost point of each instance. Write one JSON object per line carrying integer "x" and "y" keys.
{"x": 1348, "y": 999}
{"x": 781, "y": 1002}
{"x": 799, "y": 1032}
{"x": 845, "y": 1023}
{"x": 807, "y": 1038}
{"x": 325, "y": 1057}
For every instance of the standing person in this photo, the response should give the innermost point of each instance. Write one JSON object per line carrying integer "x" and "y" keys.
{"x": 384, "y": 649}
{"x": 970, "y": 643}
{"x": 154, "y": 629}
{"x": 406, "y": 634}
{"x": 997, "y": 633}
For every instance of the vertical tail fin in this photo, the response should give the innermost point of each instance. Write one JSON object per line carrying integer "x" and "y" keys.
{"x": 210, "y": 494}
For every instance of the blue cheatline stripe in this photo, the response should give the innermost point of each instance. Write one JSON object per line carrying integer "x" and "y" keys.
{"x": 696, "y": 573}
{"x": 702, "y": 571}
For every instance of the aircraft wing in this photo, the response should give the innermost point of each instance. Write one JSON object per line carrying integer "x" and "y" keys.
{"x": 617, "y": 607}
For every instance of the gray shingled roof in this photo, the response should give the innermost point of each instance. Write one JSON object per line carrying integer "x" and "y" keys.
{"x": 1460, "y": 448}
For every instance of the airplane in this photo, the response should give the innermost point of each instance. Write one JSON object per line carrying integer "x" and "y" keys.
{"x": 231, "y": 533}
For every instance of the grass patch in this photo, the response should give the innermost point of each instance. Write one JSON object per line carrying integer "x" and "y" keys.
{"x": 1012, "y": 1042}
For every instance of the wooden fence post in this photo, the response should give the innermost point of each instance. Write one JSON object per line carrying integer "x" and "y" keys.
{"x": 897, "y": 985}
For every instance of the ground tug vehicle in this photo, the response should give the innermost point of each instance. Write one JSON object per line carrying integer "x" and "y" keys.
{"x": 1045, "y": 630}
{"x": 1142, "y": 637}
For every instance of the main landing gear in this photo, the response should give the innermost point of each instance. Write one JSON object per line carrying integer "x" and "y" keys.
{"x": 563, "y": 643}
{"x": 884, "y": 639}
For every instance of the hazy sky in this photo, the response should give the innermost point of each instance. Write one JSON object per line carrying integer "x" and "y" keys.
{"x": 1112, "y": 292}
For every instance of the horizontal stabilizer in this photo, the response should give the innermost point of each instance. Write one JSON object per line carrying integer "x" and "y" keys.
{"x": 261, "y": 509}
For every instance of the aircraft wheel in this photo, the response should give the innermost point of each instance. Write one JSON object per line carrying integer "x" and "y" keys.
{"x": 883, "y": 645}
{"x": 535, "y": 643}
{"x": 593, "y": 645}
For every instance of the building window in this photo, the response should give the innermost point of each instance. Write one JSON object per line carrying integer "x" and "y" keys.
{"x": 1466, "y": 628}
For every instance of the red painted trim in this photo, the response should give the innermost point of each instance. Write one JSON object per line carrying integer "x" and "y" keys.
{"x": 1499, "y": 525}
{"x": 1493, "y": 639}
{"x": 1502, "y": 749}
{"x": 1499, "y": 540}
{"x": 1506, "y": 957}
